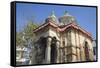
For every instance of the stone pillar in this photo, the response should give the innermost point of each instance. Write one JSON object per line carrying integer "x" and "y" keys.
{"x": 58, "y": 53}
{"x": 65, "y": 54}
{"x": 78, "y": 54}
{"x": 82, "y": 54}
{"x": 48, "y": 51}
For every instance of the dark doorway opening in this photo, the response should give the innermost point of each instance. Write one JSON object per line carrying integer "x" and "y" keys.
{"x": 53, "y": 50}
{"x": 41, "y": 48}
{"x": 86, "y": 51}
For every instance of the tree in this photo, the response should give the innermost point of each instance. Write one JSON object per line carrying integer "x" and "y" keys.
{"x": 23, "y": 37}
{"x": 19, "y": 38}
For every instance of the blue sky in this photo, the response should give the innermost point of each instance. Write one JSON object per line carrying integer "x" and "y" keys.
{"x": 85, "y": 16}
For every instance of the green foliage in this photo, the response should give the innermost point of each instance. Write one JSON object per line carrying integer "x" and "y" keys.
{"x": 19, "y": 38}
{"x": 28, "y": 30}
{"x": 23, "y": 37}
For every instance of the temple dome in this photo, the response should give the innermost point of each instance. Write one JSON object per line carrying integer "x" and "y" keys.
{"x": 66, "y": 19}
{"x": 51, "y": 18}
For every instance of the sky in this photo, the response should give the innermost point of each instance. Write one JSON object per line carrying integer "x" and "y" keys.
{"x": 85, "y": 16}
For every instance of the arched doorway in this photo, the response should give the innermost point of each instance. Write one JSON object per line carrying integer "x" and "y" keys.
{"x": 53, "y": 50}
{"x": 86, "y": 51}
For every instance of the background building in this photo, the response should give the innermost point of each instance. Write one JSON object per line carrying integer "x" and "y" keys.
{"x": 95, "y": 49}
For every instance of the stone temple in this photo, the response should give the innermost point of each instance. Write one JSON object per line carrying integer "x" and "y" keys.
{"x": 61, "y": 40}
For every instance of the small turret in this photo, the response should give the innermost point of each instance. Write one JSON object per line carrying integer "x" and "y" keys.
{"x": 66, "y": 19}
{"x": 51, "y": 18}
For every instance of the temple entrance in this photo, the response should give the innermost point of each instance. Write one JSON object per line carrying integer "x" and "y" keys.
{"x": 53, "y": 50}
{"x": 86, "y": 51}
{"x": 41, "y": 48}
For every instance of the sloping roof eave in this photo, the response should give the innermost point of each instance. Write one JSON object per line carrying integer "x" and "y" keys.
{"x": 62, "y": 29}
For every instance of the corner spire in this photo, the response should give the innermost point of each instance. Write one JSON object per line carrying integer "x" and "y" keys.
{"x": 66, "y": 13}
{"x": 52, "y": 18}
{"x": 52, "y": 13}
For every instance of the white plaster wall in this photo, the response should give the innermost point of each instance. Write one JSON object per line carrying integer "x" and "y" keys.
{"x": 73, "y": 38}
{"x": 61, "y": 44}
{"x": 77, "y": 39}
{"x": 82, "y": 39}
{"x": 73, "y": 42}
{"x": 74, "y": 58}
{"x": 78, "y": 45}
{"x": 66, "y": 39}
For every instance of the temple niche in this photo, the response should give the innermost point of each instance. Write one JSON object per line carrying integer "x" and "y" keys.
{"x": 60, "y": 41}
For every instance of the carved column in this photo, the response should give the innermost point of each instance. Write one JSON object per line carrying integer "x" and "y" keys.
{"x": 58, "y": 53}
{"x": 48, "y": 51}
